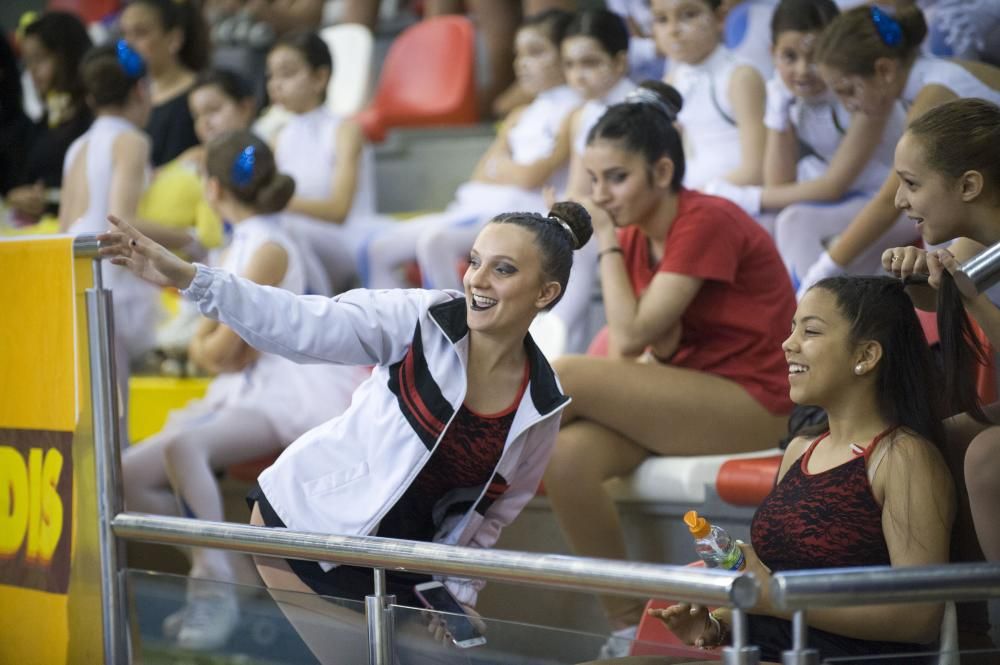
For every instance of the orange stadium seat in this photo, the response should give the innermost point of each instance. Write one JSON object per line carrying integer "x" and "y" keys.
{"x": 428, "y": 79}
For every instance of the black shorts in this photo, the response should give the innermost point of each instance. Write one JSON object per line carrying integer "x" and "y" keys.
{"x": 344, "y": 582}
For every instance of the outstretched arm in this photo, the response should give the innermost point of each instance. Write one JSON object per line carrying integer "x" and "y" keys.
{"x": 359, "y": 327}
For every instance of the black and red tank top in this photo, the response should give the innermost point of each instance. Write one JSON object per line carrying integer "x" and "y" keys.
{"x": 821, "y": 520}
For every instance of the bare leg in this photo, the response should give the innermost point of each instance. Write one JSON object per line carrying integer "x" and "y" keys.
{"x": 623, "y": 411}
{"x": 982, "y": 478}
{"x": 336, "y": 634}
{"x": 364, "y": 12}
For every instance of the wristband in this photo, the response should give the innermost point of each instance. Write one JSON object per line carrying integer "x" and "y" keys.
{"x": 610, "y": 250}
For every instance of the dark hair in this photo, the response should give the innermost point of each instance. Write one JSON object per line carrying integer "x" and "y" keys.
{"x": 232, "y": 85}
{"x": 65, "y": 37}
{"x": 605, "y": 26}
{"x": 961, "y": 351}
{"x": 552, "y": 22}
{"x": 104, "y": 78}
{"x": 310, "y": 45}
{"x": 556, "y": 242}
{"x": 802, "y": 16}
{"x": 266, "y": 190}
{"x": 959, "y": 136}
{"x": 852, "y": 44}
{"x": 186, "y": 16}
{"x": 647, "y": 128}
{"x": 879, "y": 310}
{"x": 11, "y": 101}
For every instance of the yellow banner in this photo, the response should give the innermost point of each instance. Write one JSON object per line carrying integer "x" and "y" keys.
{"x": 50, "y": 604}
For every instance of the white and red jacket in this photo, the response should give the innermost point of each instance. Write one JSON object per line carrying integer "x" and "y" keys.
{"x": 343, "y": 476}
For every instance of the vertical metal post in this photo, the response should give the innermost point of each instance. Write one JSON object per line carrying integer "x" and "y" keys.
{"x": 799, "y": 654}
{"x": 739, "y": 653}
{"x": 107, "y": 465}
{"x": 380, "y": 622}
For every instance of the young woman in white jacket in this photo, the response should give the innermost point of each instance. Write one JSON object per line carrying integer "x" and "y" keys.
{"x": 448, "y": 438}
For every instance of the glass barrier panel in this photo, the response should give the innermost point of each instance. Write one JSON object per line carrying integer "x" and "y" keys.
{"x": 184, "y": 621}
{"x": 969, "y": 657}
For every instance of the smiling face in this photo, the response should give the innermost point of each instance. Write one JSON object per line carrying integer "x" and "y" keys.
{"x": 215, "y": 113}
{"x": 686, "y": 30}
{"x": 793, "y": 61}
{"x": 623, "y": 183}
{"x": 505, "y": 284}
{"x": 589, "y": 69}
{"x": 931, "y": 199}
{"x": 292, "y": 83}
{"x": 820, "y": 356}
{"x": 536, "y": 61}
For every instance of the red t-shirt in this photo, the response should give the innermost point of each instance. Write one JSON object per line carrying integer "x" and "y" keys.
{"x": 736, "y": 323}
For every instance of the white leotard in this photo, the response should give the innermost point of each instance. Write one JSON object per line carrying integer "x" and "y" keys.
{"x": 136, "y": 303}
{"x": 534, "y": 135}
{"x": 821, "y": 124}
{"x": 294, "y": 398}
{"x": 938, "y": 71}
{"x": 593, "y": 109}
{"x": 711, "y": 137}
{"x": 306, "y": 149}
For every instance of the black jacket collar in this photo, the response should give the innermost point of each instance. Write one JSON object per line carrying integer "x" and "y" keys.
{"x": 545, "y": 393}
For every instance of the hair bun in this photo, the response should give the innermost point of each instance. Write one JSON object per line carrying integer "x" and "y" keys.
{"x": 576, "y": 217}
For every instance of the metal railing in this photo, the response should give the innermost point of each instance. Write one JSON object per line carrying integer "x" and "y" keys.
{"x": 736, "y": 590}
{"x": 843, "y": 587}
{"x": 795, "y": 591}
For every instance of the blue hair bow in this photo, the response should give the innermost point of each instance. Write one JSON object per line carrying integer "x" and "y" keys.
{"x": 130, "y": 60}
{"x": 243, "y": 166}
{"x": 887, "y": 26}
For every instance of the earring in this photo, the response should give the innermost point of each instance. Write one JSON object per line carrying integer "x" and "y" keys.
{"x": 859, "y": 369}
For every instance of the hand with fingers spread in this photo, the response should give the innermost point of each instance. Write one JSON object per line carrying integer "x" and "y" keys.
{"x": 692, "y": 624}
{"x": 129, "y": 248}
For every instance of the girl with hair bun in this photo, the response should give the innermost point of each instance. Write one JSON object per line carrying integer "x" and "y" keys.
{"x": 697, "y": 303}
{"x": 104, "y": 173}
{"x": 172, "y": 38}
{"x": 448, "y": 438}
{"x": 257, "y": 404}
{"x": 870, "y": 57}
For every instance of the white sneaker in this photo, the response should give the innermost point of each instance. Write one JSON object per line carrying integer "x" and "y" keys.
{"x": 208, "y": 620}
{"x": 619, "y": 644}
{"x": 172, "y": 624}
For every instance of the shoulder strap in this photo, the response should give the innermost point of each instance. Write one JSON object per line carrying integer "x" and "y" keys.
{"x": 715, "y": 102}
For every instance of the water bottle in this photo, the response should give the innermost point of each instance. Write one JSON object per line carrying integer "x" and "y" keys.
{"x": 715, "y": 547}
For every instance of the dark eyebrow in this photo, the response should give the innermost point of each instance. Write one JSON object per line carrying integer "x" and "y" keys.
{"x": 812, "y": 318}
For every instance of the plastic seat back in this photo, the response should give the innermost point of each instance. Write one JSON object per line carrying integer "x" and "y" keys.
{"x": 89, "y": 11}
{"x": 428, "y": 79}
{"x": 352, "y": 47}
{"x": 653, "y": 638}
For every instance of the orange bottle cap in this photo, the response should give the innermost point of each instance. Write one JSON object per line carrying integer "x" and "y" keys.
{"x": 698, "y": 526}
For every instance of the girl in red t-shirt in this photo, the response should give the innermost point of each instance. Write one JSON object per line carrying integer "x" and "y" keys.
{"x": 697, "y": 302}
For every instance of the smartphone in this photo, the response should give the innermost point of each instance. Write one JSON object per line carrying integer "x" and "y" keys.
{"x": 435, "y": 596}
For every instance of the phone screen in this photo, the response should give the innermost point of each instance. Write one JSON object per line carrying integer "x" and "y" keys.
{"x": 463, "y": 631}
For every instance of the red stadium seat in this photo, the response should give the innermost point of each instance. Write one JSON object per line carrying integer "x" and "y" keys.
{"x": 745, "y": 482}
{"x": 655, "y": 639}
{"x": 89, "y": 11}
{"x": 428, "y": 79}
{"x": 248, "y": 471}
